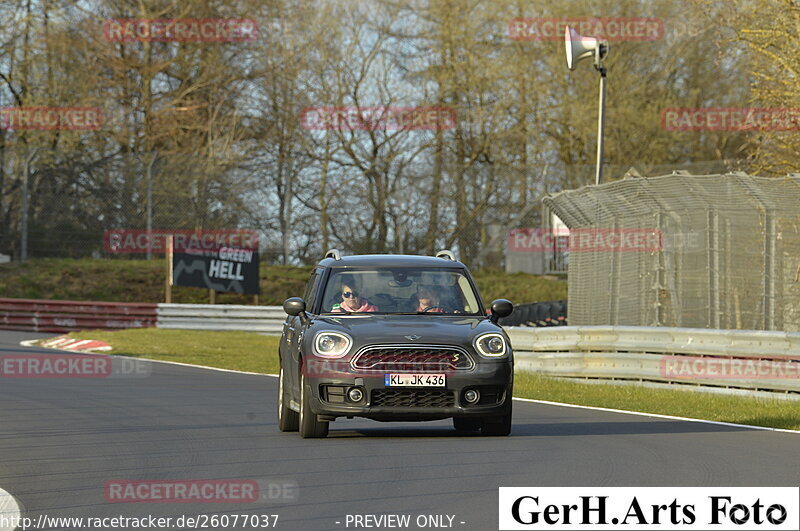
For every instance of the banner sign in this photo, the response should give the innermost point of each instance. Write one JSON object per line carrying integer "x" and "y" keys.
{"x": 229, "y": 269}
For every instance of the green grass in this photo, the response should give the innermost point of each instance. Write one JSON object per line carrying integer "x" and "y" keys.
{"x": 143, "y": 281}
{"x": 252, "y": 352}
{"x": 519, "y": 288}
{"x": 774, "y": 413}
{"x": 130, "y": 281}
{"x": 239, "y": 351}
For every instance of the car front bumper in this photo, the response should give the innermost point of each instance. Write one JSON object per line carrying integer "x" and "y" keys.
{"x": 493, "y": 379}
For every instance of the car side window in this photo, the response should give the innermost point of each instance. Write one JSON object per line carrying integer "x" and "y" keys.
{"x": 311, "y": 288}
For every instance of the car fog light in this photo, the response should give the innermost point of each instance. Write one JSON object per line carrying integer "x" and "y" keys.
{"x": 355, "y": 394}
{"x": 472, "y": 396}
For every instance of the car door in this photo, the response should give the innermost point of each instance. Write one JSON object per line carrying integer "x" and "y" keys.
{"x": 293, "y": 329}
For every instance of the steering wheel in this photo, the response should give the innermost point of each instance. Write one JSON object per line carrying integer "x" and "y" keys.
{"x": 429, "y": 308}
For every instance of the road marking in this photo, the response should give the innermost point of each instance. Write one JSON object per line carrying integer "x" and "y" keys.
{"x": 9, "y": 511}
{"x": 547, "y": 402}
{"x": 31, "y": 343}
{"x": 657, "y": 415}
{"x": 198, "y": 366}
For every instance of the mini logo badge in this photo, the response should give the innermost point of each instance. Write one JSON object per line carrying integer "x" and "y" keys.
{"x": 412, "y": 338}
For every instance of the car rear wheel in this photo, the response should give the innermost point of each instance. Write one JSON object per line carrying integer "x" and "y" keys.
{"x": 498, "y": 425}
{"x": 288, "y": 420}
{"x": 466, "y": 424}
{"x": 310, "y": 427}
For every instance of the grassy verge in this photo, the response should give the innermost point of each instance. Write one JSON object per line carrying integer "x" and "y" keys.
{"x": 774, "y": 413}
{"x": 130, "y": 281}
{"x": 246, "y": 351}
{"x": 117, "y": 280}
{"x": 239, "y": 351}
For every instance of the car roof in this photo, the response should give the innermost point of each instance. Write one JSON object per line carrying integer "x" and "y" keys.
{"x": 390, "y": 260}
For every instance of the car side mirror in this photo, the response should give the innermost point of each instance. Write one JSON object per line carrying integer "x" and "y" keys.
{"x": 295, "y": 306}
{"x": 501, "y": 308}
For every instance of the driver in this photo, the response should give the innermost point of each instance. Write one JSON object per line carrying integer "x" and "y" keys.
{"x": 352, "y": 301}
{"x": 428, "y": 298}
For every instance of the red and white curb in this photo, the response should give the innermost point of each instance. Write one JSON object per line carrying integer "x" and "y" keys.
{"x": 69, "y": 343}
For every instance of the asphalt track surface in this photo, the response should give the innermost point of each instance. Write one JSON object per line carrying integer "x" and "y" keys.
{"x": 61, "y": 440}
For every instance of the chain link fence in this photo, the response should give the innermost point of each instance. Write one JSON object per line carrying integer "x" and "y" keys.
{"x": 73, "y": 199}
{"x": 67, "y": 205}
{"x": 728, "y": 253}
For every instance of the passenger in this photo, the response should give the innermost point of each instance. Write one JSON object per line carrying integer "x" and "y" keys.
{"x": 428, "y": 298}
{"x": 352, "y": 301}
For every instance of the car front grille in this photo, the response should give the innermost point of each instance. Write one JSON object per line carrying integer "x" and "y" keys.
{"x": 419, "y": 358}
{"x": 412, "y": 398}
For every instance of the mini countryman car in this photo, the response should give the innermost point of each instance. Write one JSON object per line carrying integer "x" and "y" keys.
{"x": 394, "y": 338}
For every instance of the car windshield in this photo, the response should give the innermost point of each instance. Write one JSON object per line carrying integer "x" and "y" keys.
{"x": 402, "y": 291}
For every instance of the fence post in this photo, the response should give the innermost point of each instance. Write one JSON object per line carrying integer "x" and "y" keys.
{"x": 168, "y": 281}
{"x": 23, "y": 247}
{"x": 150, "y": 206}
{"x": 713, "y": 267}
{"x": 769, "y": 271}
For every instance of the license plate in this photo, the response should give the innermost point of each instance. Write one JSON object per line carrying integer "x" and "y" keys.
{"x": 414, "y": 380}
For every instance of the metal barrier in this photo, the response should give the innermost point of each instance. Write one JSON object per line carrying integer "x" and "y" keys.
{"x": 268, "y": 319}
{"x": 65, "y": 316}
{"x": 744, "y": 359}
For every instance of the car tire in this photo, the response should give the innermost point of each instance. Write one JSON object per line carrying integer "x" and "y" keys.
{"x": 498, "y": 425}
{"x": 466, "y": 424}
{"x": 310, "y": 427}
{"x": 288, "y": 419}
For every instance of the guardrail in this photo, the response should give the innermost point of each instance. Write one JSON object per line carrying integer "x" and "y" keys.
{"x": 65, "y": 316}
{"x": 267, "y": 319}
{"x": 754, "y": 360}
{"x": 744, "y": 359}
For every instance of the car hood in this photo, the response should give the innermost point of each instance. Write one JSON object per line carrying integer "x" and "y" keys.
{"x": 425, "y": 329}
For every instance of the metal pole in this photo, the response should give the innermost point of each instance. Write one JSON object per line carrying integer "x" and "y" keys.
{"x": 23, "y": 251}
{"x": 601, "y": 117}
{"x": 23, "y": 248}
{"x": 150, "y": 206}
{"x": 770, "y": 271}
{"x": 168, "y": 277}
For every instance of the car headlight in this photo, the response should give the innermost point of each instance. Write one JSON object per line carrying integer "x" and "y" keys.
{"x": 332, "y": 344}
{"x": 491, "y": 345}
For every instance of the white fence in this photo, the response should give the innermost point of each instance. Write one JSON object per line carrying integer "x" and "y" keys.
{"x": 729, "y": 358}
{"x": 267, "y": 319}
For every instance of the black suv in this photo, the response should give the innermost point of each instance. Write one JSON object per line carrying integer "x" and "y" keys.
{"x": 394, "y": 338}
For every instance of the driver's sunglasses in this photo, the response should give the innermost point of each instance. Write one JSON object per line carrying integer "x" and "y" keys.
{"x": 348, "y": 294}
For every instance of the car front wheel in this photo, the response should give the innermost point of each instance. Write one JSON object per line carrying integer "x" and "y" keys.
{"x": 288, "y": 420}
{"x": 310, "y": 427}
{"x": 498, "y": 425}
